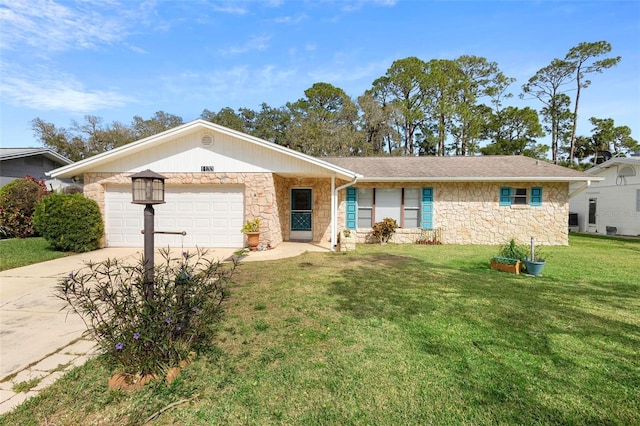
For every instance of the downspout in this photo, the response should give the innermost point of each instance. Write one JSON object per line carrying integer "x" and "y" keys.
{"x": 579, "y": 190}
{"x": 334, "y": 208}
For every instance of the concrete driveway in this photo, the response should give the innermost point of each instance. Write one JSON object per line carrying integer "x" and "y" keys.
{"x": 32, "y": 325}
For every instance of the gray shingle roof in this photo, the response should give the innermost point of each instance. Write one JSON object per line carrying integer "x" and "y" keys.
{"x": 481, "y": 168}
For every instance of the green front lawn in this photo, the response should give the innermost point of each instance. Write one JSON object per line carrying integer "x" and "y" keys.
{"x": 16, "y": 252}
{"x": 399, "y": 335}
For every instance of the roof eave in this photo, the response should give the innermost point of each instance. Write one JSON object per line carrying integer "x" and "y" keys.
{"x": 480, "y": 179}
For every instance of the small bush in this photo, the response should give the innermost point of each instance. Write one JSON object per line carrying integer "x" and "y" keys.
{"x": 149, "y": 335}
{"x": 69, "y": 222}
{"x": 17, "y": 204}
{"x": 513, "y": 250}
{"x": 385, "y": 229}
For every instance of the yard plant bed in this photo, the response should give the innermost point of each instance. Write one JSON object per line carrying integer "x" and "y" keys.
{"x": 505, "y": 264}
{"x": 397, "y": 334}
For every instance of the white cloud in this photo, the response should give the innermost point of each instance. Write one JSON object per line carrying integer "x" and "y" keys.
{"x": 49, "y": 26}
{"x": 290, "y": 19}
{"x": 41, "y": 89}
{"x": 255, "y": 43}
{"x": 232, "y": 9}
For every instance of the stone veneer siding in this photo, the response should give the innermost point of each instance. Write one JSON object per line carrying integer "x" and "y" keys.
{"x": 469, "y": 213}
{"x": 259, "y": 194}
{"x": 321, "y": 193}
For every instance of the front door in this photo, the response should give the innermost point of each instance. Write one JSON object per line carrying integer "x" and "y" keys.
{"x": 301, "y": 214}
{"x": 593, "y": 213}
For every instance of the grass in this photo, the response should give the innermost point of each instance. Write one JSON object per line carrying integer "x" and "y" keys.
{"x": 393, "y": 335}
{"x": 16, "y": 252}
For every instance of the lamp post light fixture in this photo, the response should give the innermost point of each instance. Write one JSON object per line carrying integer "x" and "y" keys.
{"x": 147, "y": 188}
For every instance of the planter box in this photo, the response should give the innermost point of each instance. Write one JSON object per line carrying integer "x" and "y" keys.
{"x": 499, "y": 264}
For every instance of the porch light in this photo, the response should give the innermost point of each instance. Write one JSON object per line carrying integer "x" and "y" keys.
{"x": 147, "y": 188}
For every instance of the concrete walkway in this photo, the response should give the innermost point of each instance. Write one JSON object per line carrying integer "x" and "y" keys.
{"x": 40, "y": 340}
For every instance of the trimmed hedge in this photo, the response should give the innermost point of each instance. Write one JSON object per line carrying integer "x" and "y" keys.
{"x": 18, "y": 200}
{"x": 70, "y": 222}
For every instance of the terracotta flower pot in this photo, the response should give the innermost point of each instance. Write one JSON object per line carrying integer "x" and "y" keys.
{"x": 253, "y": 239}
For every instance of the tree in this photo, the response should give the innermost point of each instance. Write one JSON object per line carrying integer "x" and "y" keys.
{"x": 160, "y": 122}
{"x": 514, "y": 132}
{"x": 608, "y": 137}
{"x": 379, "y": 135}
{"x": 403, "y": 87}
{"x": 546, "y": 85}
{"x": 271, "y": 124}
{"x": 579, "y": 57}
{"x": 324, "y": 122}
{"x": 476, "y": 78}
{"x": 226, "y": 117}
{"x": 84, "y": 139}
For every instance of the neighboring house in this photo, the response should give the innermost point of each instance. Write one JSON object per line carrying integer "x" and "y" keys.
{"x": 16, "y": 163}
{"x": 612, "y": 205}
{"x": 218, "y": 178}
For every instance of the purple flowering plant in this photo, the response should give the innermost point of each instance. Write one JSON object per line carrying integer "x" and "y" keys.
{"x": 180, "y": 318}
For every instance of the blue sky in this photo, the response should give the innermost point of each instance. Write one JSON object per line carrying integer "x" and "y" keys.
{"x": 62, "y": 60}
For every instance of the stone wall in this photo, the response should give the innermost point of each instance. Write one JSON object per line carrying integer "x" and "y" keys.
{"x": 321, "y": 221}
{"x": 469, "y": 213}
{"x": 259, "y": 196}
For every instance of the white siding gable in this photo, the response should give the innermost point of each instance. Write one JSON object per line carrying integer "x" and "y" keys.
{"x": 227, "y": 154}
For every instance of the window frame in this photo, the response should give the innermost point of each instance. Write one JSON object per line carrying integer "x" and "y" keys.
{"x": 532, "y": 196}
{"x": 420, "y": 208}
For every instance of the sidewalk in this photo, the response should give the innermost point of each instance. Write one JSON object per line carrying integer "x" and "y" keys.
{"x": 39, "y": 342}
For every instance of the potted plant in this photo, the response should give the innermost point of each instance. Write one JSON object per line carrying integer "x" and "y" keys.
{"x": 252, "y": 230}
{"x": 509, "y": 258}
{"x": 533, "y": 262}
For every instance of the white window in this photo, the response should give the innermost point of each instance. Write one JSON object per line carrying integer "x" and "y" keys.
{"x": 411, "y": 208}
{"x": 388, "y": 204}
{"x": 365, "y": 207}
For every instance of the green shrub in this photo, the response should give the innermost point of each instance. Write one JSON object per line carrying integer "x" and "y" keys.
{"x": 513, "y": 250}
{"x": 70, "y": 222}
{"x": 148, "y": 335}
{"x": 385, "y": 229}
{"x": 17, "y": 203}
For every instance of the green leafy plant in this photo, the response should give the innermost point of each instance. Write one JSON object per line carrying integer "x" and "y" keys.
{"x": 251, "y": 226}
{"x": 538, "y": 255}
{"x": 69, "y": 222}
{"x": 18, "y": 201}
{"x": 143, "y": 335}
{"x": 346, "y": 232}
{"x": 384, "y": 229}
{"x": 513, "y": 250}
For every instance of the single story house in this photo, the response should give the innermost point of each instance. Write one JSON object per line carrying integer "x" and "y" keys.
{"x": 218, "y": 178}
{"x": 611, "y": 205}
{"x": 16, "y": 163}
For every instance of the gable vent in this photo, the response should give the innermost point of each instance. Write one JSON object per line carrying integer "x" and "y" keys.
{"x": 206, "y": 168}
{"x": 207, "y": 140}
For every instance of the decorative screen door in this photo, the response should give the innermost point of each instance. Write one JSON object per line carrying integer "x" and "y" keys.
{"x": 301, "y": 214}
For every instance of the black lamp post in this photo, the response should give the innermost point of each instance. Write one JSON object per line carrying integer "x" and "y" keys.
{"x": 147, "y": 188}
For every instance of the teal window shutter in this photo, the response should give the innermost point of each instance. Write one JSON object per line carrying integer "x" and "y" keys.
{"x": 536, "y": 196}
{"x": 352, "y": 208}
{"x": 427, "y": 208}
{"x": 505, "y": 196}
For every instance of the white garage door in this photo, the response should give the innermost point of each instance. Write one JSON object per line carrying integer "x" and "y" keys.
{"x": 210, "y": 215}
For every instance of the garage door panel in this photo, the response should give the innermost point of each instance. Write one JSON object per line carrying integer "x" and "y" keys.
{"x": 211, "y": 217}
